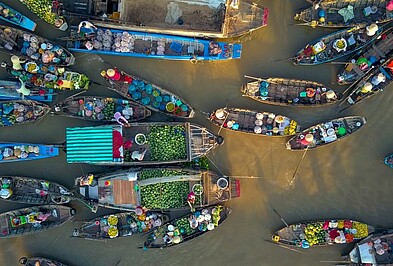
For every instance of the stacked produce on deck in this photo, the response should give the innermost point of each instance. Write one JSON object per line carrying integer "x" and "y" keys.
{"x": 43, "y": 9}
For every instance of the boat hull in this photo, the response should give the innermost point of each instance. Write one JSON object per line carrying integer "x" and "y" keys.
{"x": 17, "y": 18}
{"x": 42, "y": 261}
{"x": 8, "y": 92}
{"x": 44, "y": 151}
{"x": 18, "y": 112}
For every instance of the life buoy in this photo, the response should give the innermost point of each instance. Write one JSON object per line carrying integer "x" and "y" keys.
{"x": 193, "y": 60}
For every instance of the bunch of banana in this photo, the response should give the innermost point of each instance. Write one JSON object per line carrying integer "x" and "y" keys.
{"x": 291, "y": 129}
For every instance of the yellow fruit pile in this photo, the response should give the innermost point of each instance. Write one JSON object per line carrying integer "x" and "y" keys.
{"x": 112, "y": 220}
{"x": 314, "y": 233}
{"x": 291, "y": 129}
{"x": 113, "y": 232}
{"x": 362, "y": 230}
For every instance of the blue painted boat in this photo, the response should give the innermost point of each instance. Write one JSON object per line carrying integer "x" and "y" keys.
{"x": 17, "y": 152}
{"x": 8, "y": 92}
{"x": 151, "y": 45}
{"x": 16, "y": 18}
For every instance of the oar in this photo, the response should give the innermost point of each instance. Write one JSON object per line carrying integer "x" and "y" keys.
{"x": 226, "y": 117}
{"x": 260, "y": 79}
{"x": 338, "y": 63}
{"x": 335, "y": 261}
{"x": 298, "y": 166}
{"x": 283, "y": 59}
{"x": 283, "y": 246}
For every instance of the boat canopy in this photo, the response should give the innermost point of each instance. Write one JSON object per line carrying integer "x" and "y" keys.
{"x": 363, "y": 253}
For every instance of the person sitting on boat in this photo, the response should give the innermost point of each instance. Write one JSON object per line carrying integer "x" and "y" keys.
{"x": 214, "y": 48}
{"x": 121, "y": 119}
{"x": 87, "y": 28}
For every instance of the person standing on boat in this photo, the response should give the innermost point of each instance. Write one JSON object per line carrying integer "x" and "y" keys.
{"x": 86, "y": 27}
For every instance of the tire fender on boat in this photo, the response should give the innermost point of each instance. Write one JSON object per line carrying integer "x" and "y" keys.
{"x": 193, "y": 60}
{"x": 23, "y": 260}
{"x": 75, "y": 233}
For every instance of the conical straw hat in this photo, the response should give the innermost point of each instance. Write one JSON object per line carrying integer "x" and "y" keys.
{"x": 110, "y": 72}
{"x": 330, "y": 94}
{"x": 309, "y": 137}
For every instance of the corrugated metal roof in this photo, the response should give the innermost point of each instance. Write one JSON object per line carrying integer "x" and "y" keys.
{"x": 89, "y": 144}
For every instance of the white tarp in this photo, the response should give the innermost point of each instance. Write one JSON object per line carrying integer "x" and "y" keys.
{"x": 174, "y": 13}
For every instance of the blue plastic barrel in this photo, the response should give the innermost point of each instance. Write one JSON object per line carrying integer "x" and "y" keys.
{"x": 159, "y": 99}
{"x": 131, "y": 89}
{"x": 136, "y": 95}
{"x": 145, "y": 100}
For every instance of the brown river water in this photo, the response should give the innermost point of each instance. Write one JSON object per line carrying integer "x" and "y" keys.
{"x": 344, "y": 180}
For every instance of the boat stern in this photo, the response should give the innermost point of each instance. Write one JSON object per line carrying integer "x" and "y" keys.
{"x": 236, "y": 51}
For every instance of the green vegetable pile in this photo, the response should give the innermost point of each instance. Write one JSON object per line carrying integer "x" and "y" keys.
{"x": 109, "y": 110}
{"x": 184, "y": 223}
{"x": 42, "y": 8}
{"x": 167, "y": 143}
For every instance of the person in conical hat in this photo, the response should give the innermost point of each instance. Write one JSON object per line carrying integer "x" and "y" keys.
{"x": 372, "y": 29}
{"x": 220, "y": 113}
{"x": 367, "y": 87}
{"x": 377, "y": 79}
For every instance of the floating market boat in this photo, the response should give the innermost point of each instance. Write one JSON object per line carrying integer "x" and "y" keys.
{"x": 346, "y": 13}
{"x": 373, "y": 55}
{"x": 139, "y": 143}
{"x": 375, "y": 81}
{"x": 148, "y": 94}
{"x": 187, "y": 227}
{"x": 18, "y": 152}
{"x": 30, "y": 46}
{"x": 33, "y": 191}
{"x": 120, "y": 225}
{"x": 34, "y": 261}
{"x": 14, "y": 17}
{"x": 335, "y": 45}
{"x": 9, "y": 91}
{"x": 290, "y": 92}
{"x": 254, "y": 122}
{"x": 156, "y": 189}
{"x": 322, "y": 233}
{"x": 389, "y": 160}
{"x": 33, "y": 219}
{"x": 18, "y": 112}
{"x": 325, "y": 133}
{"x": 202, "y": 19}
{"x": 103, "y": 109}
{"x": 151, "y": 45}
{"x": 48, "y": 11}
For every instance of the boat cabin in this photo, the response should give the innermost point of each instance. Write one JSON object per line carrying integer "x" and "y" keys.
{"x": 374, "y": 250}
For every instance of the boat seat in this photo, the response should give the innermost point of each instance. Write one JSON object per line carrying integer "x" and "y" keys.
{"x": 176, "y": 47}
{"x": 387, "y": 75}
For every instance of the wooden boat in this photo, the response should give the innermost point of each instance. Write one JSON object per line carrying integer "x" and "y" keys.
{"x": 334, "y": 46}
{"x": 18, "y": 112}
{"x": 254, "y": 122}
{"x": 151, "y": 45}
{"x": 158, "y": 189}
{"x": 42, "y": 262}
{"x": 103, "y": 109}
{"x": 14, "y": 17}
{"x": 187, "y": 227}
{"x": 325, "y": 133}
{"x": 19, "y": 152}
{"x": 123, "y": 224}
{"x": 148, "y": 94}
{"x": 202, "y": 19}
{"x": 27, "y": 45}
{"x": 373, "y": 55}
{"x": 33, "y": 191}
{"x": 49, "y": 13}
{"x": 345, "y": 13}
{"x": 322, "y": 233}
{"x": 290, "y": 92}
{"x": 374, "y": 82}
{"x": 33, "y": 219}
{"x": 144, "y": 144}
{"x": 388, "y": 160}
{"x": 48, "y": 77}
{"x": 9, "y": 91}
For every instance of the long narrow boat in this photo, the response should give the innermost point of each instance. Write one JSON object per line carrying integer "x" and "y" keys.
{"x": 146, "y": 93}
{"x": 8, "y": 91}
{"x": 325, "y": 133}
{"x": 202, "y": 19}
{"x": 373, "y": 55}
{"x": 18, "y": 112}
{"x": 103, "y": 109}
{"x": 48, "y": 11}
{"x": 139, "y": 143}
{"x": 156, "y": 189}
{"x": 322, "y": 233}
{"x": 335, "y": 45}
{"x": 388, "y": 160}
{"x": 187, "y": 227}
{"x": 33, "y": 191}
{"x": 33, "y": 219}
{"x": 290, "y": 92}
{"x": 254, "y": 122}
{"x": 372, "y": 83}
{"x": 19, "y": 152}
{"x": 346, "y": 13}
{"x": 34, "y": 261}
{"x": 31, "y": 46}
{"x": 14, "y": 17}
{"x": 152, "y": 45}
{"x": 123, "y": 224}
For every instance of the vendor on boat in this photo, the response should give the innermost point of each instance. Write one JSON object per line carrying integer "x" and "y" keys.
{"x": 86, "y": 27}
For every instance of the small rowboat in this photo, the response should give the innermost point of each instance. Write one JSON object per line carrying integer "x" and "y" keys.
{"x": 17, "y": 112}
{"x": 290, "y": 92}
{"x": 373, "y": 55}
{"x": 34, "y": 261}
{"x": 123, "y": 224}
{"x": 30, "y": 46}
{"x": 9, "y": 91}
{"x": 322, "y": 233}
{"x": 187, "y": 227}
{"x": 346, "y": 13}
{"x": 18, "y": 152}
{"x": 33, "y": 219}
{"x": 12, "y": 16}
{"x": 102, "y": 109}
{"x": 325, "y": 133}
{"x": 254, "y": 122}
{"x": 334, "y": 46}
{"x": 388, "y": 160}
{"x": 148, "y": 94}
{"x": 33, "y": 191}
